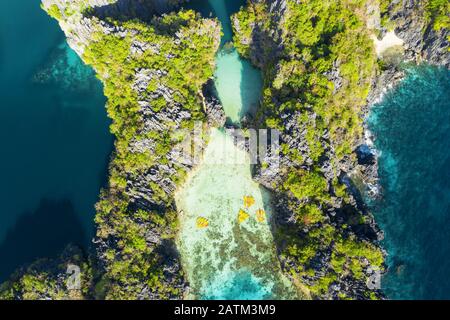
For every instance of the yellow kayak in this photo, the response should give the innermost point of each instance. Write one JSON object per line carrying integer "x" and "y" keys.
{"x": 202, "y": 222}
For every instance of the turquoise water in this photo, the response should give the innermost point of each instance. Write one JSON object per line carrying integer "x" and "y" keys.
{"x": 412, "y": 126}
{"x": 233, "y": 256}
{"x": 238, "y": 83}
{"x": 228, "y": 259}
{"x": 239, "y": 94}
{"x": 55, "y": 139}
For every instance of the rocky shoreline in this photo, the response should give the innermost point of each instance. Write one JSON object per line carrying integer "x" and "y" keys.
{"x": 152, "y": 190}
{"x": 264, "y": 46}
{"x": 422, "y": 44}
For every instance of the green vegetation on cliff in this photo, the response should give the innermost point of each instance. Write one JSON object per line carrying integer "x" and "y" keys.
{"x": 319, "y": 37}
{"x": 180, "y": 66}
{"x": 152, "y": 74}
{"x": 318, "y": 63}
{"x": 436, "y": 13}
{"x": 54, "y": 12}
{"x": 318, "y": 66}
{"x": 179, "y": 61}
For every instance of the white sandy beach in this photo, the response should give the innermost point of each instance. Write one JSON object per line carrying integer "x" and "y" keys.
{"x": 389, "y": 40}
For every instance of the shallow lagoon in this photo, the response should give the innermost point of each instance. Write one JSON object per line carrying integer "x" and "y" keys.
{"x": 412, "y": 127}
{"x": 238, "y": 85}
{"x": 229, "y": 253}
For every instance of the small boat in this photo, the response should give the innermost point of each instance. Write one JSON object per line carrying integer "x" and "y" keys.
{"x": 242, "y": 216}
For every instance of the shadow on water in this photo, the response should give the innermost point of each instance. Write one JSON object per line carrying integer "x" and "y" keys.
{"x": 42, "y": 233}
{"x": 250, "y": 85}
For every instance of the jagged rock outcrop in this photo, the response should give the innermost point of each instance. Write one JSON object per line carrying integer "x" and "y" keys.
{"x": 80, "y": 20}
{"x": 151, "y": 190}
{"x": 263, "y": 46}
{"x": 422, "y": 41}
{"x": 136, "y": 215}
{"x": 265, "y": 41}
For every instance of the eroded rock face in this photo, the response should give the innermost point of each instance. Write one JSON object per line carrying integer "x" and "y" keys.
{"x": 150, "y": 190}
{"x": 81, "y": 19}
{"x": 214, "y": 109}
{"x": 80, "y": 29}
{"x": 422, "y": 41}
{"x": 67, "y": 277}
{"x": 266, "y": 48}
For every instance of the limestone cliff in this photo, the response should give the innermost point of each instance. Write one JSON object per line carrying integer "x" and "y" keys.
{"x": 154, "y": 65}
{"x": 290, "y": 40}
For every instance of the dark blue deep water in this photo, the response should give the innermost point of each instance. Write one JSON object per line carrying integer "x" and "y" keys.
{"x": 412, "y": 127}
{"x": 54, "y": 136}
